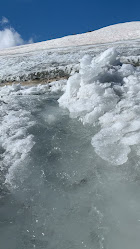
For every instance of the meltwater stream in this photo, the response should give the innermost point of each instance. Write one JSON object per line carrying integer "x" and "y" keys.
{"x": 56, "y": 190}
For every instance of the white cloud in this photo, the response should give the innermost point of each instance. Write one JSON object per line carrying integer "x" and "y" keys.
{"x": 4, "y": 20}
{"x": 9, "y": 37}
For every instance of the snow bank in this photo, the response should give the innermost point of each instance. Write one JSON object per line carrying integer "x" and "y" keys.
{"x": 107, "y": 93}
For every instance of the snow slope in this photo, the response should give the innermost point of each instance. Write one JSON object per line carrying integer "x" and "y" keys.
{"x": 59, "y": 58}
{"x": 113, "y": 33}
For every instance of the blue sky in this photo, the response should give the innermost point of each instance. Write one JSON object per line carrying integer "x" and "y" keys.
{"x": 48, "y": 19}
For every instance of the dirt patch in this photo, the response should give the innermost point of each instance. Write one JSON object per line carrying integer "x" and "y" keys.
{"x": 34, "y": 82}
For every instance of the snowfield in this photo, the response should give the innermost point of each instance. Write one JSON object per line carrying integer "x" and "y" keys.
{"x": 113, "y": 33}
{"x": 59, "y": 58}
{"x": 70, "y": 142}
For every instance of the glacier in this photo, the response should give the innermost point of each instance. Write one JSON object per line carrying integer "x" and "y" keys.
{"x": 70, "y": 143}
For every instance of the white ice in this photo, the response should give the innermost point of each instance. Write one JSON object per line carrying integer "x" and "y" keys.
{"x": 107, "y": 93}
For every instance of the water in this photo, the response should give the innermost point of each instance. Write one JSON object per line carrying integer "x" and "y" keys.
{"x": 58, "y": 193}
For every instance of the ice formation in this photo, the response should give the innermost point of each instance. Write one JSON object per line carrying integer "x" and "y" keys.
{"x": 106, "y": 92}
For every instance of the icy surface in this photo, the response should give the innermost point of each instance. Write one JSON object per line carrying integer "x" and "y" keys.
{"x": 55, "y": 191}
{"x": 70, "y": 149}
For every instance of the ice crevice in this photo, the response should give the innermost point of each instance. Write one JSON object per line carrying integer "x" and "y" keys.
{"x": 107, "y": 92}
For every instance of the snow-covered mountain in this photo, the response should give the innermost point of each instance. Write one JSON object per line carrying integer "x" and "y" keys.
{"x": 119, "y": 32}
{"x": 70, "y": 142}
